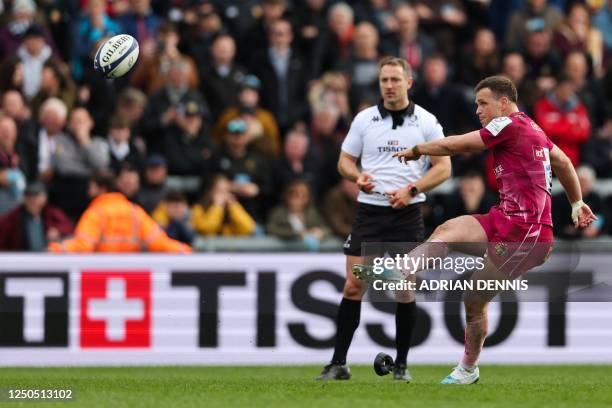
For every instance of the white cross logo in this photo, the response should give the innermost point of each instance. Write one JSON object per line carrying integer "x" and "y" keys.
{"x": 116, "y": 309}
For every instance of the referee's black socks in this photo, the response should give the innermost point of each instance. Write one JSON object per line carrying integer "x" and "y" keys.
{"x": 405, "y": 317}
{"x": 347, "y": 322}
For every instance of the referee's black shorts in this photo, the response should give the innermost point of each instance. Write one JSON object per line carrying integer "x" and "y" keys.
{"x": 376, "y": 223}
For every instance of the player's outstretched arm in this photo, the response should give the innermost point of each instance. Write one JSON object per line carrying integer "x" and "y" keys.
{"x": 466, "y": 143}
{"x": 564, "y": 169}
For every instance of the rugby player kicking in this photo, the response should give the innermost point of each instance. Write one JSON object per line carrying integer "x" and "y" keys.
{"x": 517, "y": 233}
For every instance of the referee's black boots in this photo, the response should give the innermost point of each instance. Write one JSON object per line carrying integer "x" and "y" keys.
{"x": 400, "y": 372}
{"x": 335, "y": 372}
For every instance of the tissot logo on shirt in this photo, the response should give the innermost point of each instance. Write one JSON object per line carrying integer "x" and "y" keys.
{"x": 116, "y": 309}
{"x": 393, "y": 142}
{"x": 391, "y": 148}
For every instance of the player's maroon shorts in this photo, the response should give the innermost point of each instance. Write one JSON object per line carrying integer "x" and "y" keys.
{"x": 514, "y": 246}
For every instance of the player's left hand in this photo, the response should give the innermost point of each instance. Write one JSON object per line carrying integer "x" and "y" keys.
{"x": 583, "y": 217}
{"x": 407, "y": 155}
{"x": 399, "y": 198}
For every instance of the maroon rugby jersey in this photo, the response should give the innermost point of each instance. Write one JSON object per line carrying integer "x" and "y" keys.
{"x": 521, "y": 163}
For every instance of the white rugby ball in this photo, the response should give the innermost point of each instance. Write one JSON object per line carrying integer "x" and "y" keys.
{"x": 116, "y": 56}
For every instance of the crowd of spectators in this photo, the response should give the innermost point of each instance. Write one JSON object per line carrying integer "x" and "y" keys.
{"x": 254, "y": 97}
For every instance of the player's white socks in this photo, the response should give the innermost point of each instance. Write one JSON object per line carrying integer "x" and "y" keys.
{"x": 435, "y": 248}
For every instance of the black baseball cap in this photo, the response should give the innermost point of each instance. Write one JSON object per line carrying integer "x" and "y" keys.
{"x": 192, "y": 107}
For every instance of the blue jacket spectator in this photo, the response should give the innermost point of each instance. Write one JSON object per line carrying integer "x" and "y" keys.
{"x": 141, "y": 23}
{"x": 91, "y": 28}
{"x": 603, "y": 22}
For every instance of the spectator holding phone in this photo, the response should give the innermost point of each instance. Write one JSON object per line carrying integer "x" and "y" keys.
{"x": 297, "y": 217}
{"x": 248, "y": 171}
{"x": 219, "y": 213}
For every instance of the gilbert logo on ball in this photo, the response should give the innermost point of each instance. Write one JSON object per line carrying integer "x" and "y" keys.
{"x": 116, "y": 56}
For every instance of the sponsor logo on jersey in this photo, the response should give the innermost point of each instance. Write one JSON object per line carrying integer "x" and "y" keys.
{"x": 412, "y": 121}
{"x": 375, "y": 119}
{"x": 390, "y": 149}
{"x": 538, "y": 153}
{"x": 347, "y": 243}
{"x": 498, "y": 124}
{"x": 535, "y": 126}
{"x": 500, "y": 249}
{"x": 498, "y": 171}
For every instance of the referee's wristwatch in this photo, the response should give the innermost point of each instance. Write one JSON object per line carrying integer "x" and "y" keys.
{"x": 414, "y": 191}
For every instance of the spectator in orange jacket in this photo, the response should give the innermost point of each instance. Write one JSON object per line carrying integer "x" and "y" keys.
{"x": 111, "y": 223}
{"x": 564, "y": 118}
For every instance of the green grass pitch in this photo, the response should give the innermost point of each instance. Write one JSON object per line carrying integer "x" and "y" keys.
{"x": 517, "y": 386}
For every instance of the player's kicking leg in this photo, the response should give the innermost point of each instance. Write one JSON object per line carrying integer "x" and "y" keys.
{"x": 464, "y": 230}
{"x": 515, "y": 260}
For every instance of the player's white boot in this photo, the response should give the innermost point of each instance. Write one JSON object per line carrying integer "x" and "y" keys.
{"x": 462, "y": 376}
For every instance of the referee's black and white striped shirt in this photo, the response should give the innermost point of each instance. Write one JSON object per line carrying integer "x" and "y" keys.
{"x": 373, "y": 137}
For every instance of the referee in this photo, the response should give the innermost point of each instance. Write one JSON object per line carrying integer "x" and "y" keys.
{"x": 389, "y": 203}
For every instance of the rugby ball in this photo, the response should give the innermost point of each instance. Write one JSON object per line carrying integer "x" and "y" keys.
{"x": 116, "y": 56}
